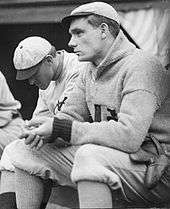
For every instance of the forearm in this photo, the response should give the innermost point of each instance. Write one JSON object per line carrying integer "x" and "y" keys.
{"x": 102, "y": 133}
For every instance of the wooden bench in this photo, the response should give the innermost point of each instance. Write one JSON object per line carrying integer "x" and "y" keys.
{"x": 68, "y": 197}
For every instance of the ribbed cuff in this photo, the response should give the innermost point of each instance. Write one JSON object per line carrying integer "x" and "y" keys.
{"x": 61, "y": 128}
{"x": 8, "y": 200}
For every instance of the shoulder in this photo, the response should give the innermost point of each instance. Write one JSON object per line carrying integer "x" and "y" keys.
{"x": 141, "y": 57}
{"x": 145, "y": 72}
{"x": 144, "y": 62}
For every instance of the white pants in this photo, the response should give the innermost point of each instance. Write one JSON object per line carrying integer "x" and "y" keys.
{"x": 88, "y": 162}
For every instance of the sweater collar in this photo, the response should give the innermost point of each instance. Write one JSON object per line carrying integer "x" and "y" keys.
{"x": 119, "y": 49}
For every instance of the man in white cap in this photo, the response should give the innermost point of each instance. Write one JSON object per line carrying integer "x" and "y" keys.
{"x": 55, "y": 73}
{"x": 125, "y": 92}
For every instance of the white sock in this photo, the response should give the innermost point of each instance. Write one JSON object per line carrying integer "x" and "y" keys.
{"x": 7, "y": 183}
{"x": 29, "y": 190}
{"x": 94, "y": 195}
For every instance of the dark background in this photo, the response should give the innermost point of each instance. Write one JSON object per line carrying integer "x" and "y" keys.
{"x": 10, "y": 36}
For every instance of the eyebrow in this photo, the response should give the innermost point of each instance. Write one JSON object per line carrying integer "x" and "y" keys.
{"x": 75, "y": 30}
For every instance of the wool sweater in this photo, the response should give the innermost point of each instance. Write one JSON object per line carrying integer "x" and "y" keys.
{"x": 126, "y": 96}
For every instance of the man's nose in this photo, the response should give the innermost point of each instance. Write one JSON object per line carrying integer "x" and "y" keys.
{"x": 72, "y": 43}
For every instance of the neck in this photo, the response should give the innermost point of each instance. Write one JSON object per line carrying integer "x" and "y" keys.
{"x": 100, "y": 56}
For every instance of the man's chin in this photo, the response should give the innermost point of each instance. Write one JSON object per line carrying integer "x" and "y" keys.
{"x": 42, "y": 87}
{"x": 82, "y": 59}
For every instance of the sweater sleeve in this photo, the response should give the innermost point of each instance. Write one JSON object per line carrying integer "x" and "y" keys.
{"x": 146, "y": 73}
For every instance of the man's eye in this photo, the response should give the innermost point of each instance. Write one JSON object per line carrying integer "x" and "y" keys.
{"x": 79, "y": 33}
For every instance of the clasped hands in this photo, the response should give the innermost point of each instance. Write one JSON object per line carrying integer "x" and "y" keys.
{"x": 37, "y": 132}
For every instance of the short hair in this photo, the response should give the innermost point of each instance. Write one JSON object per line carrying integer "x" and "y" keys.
{"x": 96, "y": 20}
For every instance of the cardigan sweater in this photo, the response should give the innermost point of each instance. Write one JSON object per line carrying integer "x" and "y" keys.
{"x": 126, "y": 97}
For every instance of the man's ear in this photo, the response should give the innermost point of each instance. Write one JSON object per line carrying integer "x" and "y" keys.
{"x": 104, "y": 30}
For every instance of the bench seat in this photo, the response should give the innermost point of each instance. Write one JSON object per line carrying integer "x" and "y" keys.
{"x": 66, "y": 197}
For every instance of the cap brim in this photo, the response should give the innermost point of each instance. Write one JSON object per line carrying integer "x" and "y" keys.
{"x": 67, "y": 20}
{"x": 25, "y": 74}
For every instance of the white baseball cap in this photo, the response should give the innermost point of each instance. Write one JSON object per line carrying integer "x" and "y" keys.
{"x": 29, "y": 53}
{"x": 99, "y": 8}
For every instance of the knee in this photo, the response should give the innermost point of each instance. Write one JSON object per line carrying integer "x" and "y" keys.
{"x": 87, "y": 164}
{"x": 85, "y": 155}
{"x": 9, "y": 153}
{"x": 96, "y": 163}
{"x": 14, "y": 146}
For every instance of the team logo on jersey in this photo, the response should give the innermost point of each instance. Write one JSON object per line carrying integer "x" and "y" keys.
{"x": 113, "y": 115}
{"x": 60, "y": 104}
{"x": 104, "y": 113}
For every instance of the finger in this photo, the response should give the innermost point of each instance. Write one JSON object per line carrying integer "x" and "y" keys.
{"x": 41, "y": 130}
{"x": 45, "y": 129}
{"x": 24, "y": 135}
{"x": 30, "y": 138}
{"x": 26, "y": 122}
{"x": 36, "y": 121}
{"x": 40, "y": 144}
{"x": 34, "y": 143}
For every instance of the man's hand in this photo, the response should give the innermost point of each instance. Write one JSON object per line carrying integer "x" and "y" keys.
{"x": 38, "y": 132}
